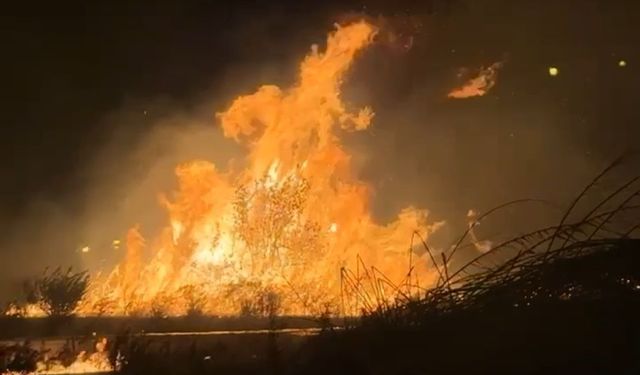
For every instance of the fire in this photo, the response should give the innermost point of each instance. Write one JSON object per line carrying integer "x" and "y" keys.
{"x": 281, "y": 231}
{"x": 478, "y": 85}
{"x": 84, "y": 363}
{"x": 97, "y": 362}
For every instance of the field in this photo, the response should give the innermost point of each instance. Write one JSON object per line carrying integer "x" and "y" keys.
{"x": 562, "y": 299}
{"x": 568, "y": 314}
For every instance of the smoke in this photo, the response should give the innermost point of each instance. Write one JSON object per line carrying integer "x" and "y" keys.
{"x": 122, "y": 183}
{"x": 128, "y": 163}
{"x": 130, "y": 155}
{"x": 528, "y": 137}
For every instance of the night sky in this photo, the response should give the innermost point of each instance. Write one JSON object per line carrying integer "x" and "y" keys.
{"x": 79, "y": 78}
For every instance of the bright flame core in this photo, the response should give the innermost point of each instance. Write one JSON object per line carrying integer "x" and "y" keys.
{"x": 287, "y": 226}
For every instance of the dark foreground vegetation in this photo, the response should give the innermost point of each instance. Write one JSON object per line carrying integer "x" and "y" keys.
{"x": 561, "y": 315}
{"x": 567, "y": 314}
{"x": 560, "y": 300}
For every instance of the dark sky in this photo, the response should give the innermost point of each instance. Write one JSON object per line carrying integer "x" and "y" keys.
{"x": 69, "y": 68}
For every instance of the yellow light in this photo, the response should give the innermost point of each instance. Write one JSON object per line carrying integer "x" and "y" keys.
{"x": 85, "y": 249}
{"x": 553, "y": 71}
{"x": 622, "y": 63}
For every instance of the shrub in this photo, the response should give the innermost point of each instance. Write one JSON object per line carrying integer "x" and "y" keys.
{"x": 195, "y": 300}
{"x": 264, "y": 303}
{"x": 58, "y": 293}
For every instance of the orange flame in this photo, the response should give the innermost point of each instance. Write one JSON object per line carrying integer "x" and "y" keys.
{"x": 479, "y": 85}
{"x": 84, "y": 363}
{"x": 286, "y": 225}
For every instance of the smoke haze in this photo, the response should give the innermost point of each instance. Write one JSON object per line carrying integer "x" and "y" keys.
{"x": 531, "y": 136}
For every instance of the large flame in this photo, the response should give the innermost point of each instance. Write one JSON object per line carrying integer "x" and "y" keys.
{"x": 284, "y": 230}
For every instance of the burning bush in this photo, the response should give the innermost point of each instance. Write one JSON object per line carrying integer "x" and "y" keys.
{"x": 265, "y": 303}
{"x": 195, "y": 300}
{"x": 289, "y": 219}
{"x": 58, "y": 293}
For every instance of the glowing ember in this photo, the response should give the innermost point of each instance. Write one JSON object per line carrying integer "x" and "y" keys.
{"x": 279, "y": 234}
{"x": 478, "y": 85}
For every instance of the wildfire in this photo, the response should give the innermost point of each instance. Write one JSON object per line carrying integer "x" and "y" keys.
{"x": 281, "y": 232}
